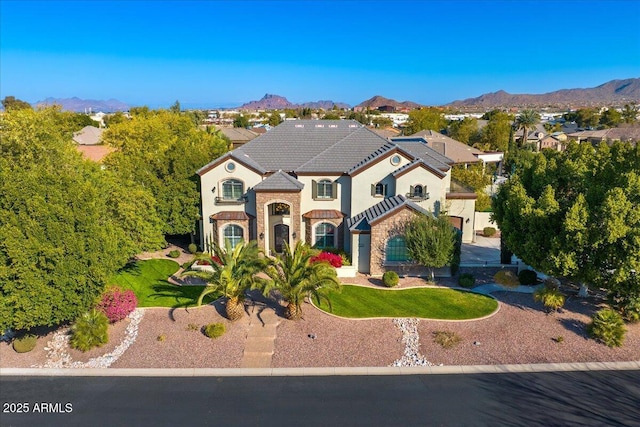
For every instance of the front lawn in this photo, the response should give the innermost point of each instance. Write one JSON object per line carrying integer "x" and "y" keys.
{"x": 426, "y": 303}
{"x": 148, "y": 280}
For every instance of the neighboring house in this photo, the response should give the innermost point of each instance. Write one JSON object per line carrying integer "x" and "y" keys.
{"x": 534, "y": 136}
{"x": 89, "y": 135}
{"x": 238, "y": 136}
{"x": 89, "y": 141}
{"x": 623, "y": 133}
{"x": 330, "y": 183}
{"x": 556, "y": 141}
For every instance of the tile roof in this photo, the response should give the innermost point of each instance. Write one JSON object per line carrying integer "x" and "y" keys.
{"x": 449, "y": 147}
{"x": 238, "y": 134}
{"x": 95, "y": 152}
{"x": 363, "y": 220}
{"x": 89, "y": 135}
{"x": 279, "y": 181}
{"x": 231, "y": 216}
{"x": 323, "y": 214}
{"x": 416, "y": 162}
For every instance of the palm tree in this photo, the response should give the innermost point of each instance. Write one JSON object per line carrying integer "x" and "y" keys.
{"x": 232, "y": 275}
{"x": 526, "y": 121}
{"x": 296, "y": 277}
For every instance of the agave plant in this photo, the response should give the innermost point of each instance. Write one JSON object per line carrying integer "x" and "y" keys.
{"x": 296, "y": 277}
{"x": 232, "y": 275}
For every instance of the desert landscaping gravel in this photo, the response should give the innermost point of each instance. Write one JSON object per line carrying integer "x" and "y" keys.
{"x": 520, "y": 332}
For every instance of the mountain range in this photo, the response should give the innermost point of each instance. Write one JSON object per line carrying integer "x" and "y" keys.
{"x": 615, "y": 92}
{"x": 380, "y": 101}
{"x": 277, "y": 102}
{"x": 85, "y": 105}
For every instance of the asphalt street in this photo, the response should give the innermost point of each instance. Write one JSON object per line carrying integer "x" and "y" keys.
{"x": 595, "y": 398}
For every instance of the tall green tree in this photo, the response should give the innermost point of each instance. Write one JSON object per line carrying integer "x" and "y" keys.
{"x": 630, "y": 113}
{"x": 241, "y": 121}
{"x": 65, "y": 224}
{"x": 465, "y": 130}
{"x": 587, "y": 117}
{"x": 430, "y": 240}
{"x": 575, "y": 214}
{"x": 274, "y": 119}
{"x": 526, "y": 120}
{"x": 161, "y": 151}
{"x": 496, "y": 135}
{"x": 430, "y": 118}
{"x": 296, "y": 277}
{"x": 610, "y": 118}
{"x": 11, "y": 102}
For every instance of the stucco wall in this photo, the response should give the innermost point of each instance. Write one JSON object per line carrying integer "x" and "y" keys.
{"x": 464, "y": 208}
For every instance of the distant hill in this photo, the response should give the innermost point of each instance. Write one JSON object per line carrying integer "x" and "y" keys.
{"x": 82, "y": 105}
{"x": 277, "y": 102}
{"x": 380, "y": 101}
{"x": 610, "y": 93}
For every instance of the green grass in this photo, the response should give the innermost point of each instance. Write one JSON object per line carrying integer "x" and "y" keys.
{"x": 148, "y": 280}
{"x": 426, "y": 303}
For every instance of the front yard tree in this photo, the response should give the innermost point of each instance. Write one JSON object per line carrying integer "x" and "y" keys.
{"x": 430, "y": 240}
{"x": 526, "y": 120}
{"x": 296, "y": 277}
{"x": 234, "y": 271}
{"x": 160, "y": 152}
{"x": 576, "y": 214}
{"x": 65, "y": 225}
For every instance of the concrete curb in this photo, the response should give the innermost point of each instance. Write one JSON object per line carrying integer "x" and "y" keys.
{"x": 313, "y": 372}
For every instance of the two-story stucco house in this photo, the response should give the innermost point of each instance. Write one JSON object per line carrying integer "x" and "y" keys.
{"x": 331, "y": 184}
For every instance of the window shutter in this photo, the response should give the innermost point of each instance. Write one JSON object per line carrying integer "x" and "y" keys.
{"x": 384, "y": 190}
{"x": 314, "y": 189}
{"x": 411, "y": 191}
{"x": 334, "y": 190}
{"x": 373, "y": 189}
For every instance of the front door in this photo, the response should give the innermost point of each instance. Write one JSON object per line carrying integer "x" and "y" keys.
{"x": 281, "y": 234}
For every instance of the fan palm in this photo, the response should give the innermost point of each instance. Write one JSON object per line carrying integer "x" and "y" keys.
{"x": 296, "y": 277}
{"x": 526, "y": 121}
{"x": 232, "y": 275}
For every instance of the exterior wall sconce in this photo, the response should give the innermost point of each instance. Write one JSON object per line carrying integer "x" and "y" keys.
{"x": 468, "y": 220}
{"x": 261, "y": 236}
{"x": 213, "y": 190}
{"x": 293, "y": 235}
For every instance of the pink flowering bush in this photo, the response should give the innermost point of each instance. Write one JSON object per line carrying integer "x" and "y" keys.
{"x": 214, "y": 259}
{"x": 333, "y": 259}
{"x": 116, "y": 304}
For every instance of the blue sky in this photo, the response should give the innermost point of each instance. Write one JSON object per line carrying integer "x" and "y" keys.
{"x": 223, "y": 53}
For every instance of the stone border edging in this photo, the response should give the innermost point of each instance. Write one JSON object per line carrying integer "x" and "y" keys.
{"x": 310, "y": 372}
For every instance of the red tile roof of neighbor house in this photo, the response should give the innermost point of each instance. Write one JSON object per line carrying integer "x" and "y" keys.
{"x": 95, "y": 152}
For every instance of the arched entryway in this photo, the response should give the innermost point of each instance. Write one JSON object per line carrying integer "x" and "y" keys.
{"x": 280, "y": 237}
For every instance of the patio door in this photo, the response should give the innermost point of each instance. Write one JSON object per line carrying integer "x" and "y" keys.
{"x": 281, "y": 236}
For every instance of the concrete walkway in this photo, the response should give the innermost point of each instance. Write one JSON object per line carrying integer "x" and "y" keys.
{"x": 261, "y": 336}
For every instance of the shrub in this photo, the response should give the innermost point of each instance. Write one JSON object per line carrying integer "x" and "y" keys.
{"x": 608, "y": 327}
{"x": 117, "y": 304}
{"x": 161, "y": 338}
{"x": 192, "y": 327}
{"x": 552, "y": 298}
{"x": 489, "y": 231}
{"x": 528, "y": 277}
{"x": 174, "y": 253}
{"x": 551, "y": 283}
{"x": 214, "y": 330}
{"x": 559, "y": 339}
{"x": 457, "y": 253}
{"x": 334, "y": 259}
{"x": 447, "y": 339}
{"x": 25, "y": 344}
{"x": 466, "y": 280}
{"x": 89, "y": 331}
{"x": 193, "y": 248}
{"x": 390, "y": 279}
{"x": 506, "y": 278}
{"x": 624, "y": 297}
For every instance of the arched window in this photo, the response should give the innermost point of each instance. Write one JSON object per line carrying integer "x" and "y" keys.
{"x": 397, "y": 249}
{"x": 418, "y": 191}
{"x": 232, "y": 189}
{"x": 232, "y": 235}
{"x": 325, "y": 235}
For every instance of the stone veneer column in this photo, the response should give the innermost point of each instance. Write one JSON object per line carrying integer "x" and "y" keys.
{"x": 263, "y": 200}
{"x": 381, "y": 232}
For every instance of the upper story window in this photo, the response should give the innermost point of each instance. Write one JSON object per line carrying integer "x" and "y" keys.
{"x": 230, "y": 167}
{"x": 379, "y": 190}
{"x": 395, "y": 160}
{"x": 418, "y": 191}
{"x": 232, "y": 189}
{"x": 233, "y": 235}
{"x": 325, "y": 236}
{"x": 280, "y": 209}
{"x": 324, "y": 189}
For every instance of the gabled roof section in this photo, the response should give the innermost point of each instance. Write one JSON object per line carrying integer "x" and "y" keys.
{"x": 418, "y": 163}
{"x": 387, "y": 148}
{"x": 232, "y": 155}
{"x": 365, "y": 219}
{"x": 279, "y": 181}
{"x": 89, "y": 135}
{"x": 445, "y": 146}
